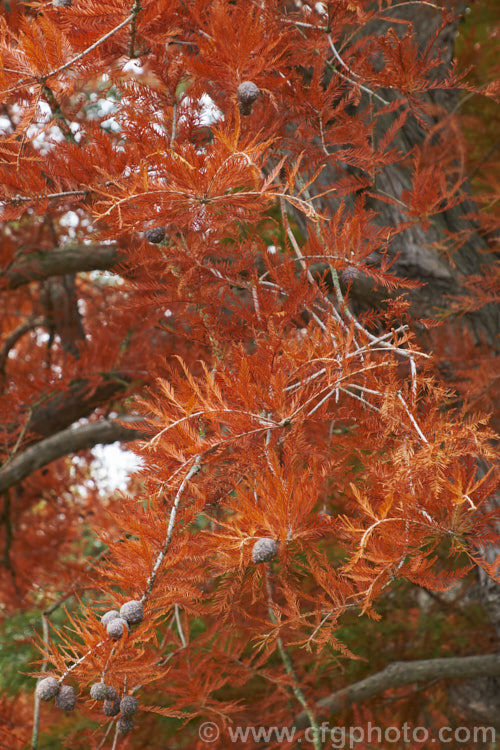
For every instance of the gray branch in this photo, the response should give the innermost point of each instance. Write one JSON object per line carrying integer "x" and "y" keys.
{"x": 40, "y": 265}
{"x": 404, "y": 673}
{"x": 14, "y": 337}
{"x": 79, "y": 400}
{"x": 68, "y": 441}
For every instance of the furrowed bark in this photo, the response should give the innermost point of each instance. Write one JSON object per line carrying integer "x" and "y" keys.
{"x": 413, "y": 251}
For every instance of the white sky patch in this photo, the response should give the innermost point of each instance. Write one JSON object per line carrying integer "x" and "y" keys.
{"x": 107, "y": 278}
{"x": 38, "y": 137}
{"x": 75, "y": 129}
{"x": 133, "y": 66}
{"x": 44, "y": 108}
{"x": 111, "y": 124}
{"x": 42, "y": 337}
{"x": 210, "y": 113}
{"x": 206, "y": 109}
{"x": 113, "y": 466}
{"x": 70, "y": 219}
{"x": 106, "y": 106}
{"x": 321, "y": 9}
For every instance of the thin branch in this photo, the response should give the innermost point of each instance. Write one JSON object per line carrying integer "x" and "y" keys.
{"x": 287, "y": 662}
{"x": 363, "y": 400}
{"x": 58, "y": 115}
{"x": 44, "y": 78}
{"x": 18, "y": 441}
{"x": 36, "y": 711}
{"x": 411, "y": 2}
{"x": 174, "y": 125}
{"x": 49, "y": 196}
{"x": 39, "y": 265}
{"x": 179, "y": 626}
{"x": 79, "y": 661}
{"x": 173, "y": 513}
{"x": 88, "y": 49}
{"x": 133, "y": 29}
{"x": 404, "y": 673}
{"x": 67, "y": 441}
{"x": 115, "y": 739}
{"x": 266, "y": 422}
{"x": 303, "y": 24}
{"x": 413, "y": 420}
{"x": 14, "y": 337}
{"x": 355, "y": 83}
{"x": 108, "y": 730}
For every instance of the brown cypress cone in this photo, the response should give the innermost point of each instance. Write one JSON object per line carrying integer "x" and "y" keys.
{"x": 155, "y": 235}
{"x": 47, "y": 688}
{"x": 247, "y": 94}
{"x": 111, "y": 707}
{"x": 264, "y": 549}
{"x": 66, "y": 698}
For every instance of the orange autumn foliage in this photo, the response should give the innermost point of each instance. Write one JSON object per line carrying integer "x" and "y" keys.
{"x": 265, "y": 399}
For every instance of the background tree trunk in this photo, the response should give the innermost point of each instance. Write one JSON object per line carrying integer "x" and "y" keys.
{"x": 413, "y": 250}
{"x": 415, "y": 257}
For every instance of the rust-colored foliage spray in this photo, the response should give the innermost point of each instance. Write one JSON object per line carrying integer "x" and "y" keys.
{"x": 238, "y": 236}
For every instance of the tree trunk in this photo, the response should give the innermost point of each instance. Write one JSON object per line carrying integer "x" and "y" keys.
{"x": 413, "y": 251}
{"x": 415, "y": 257}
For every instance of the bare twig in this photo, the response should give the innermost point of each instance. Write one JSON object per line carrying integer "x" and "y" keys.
{"x": 179, "y": 626}
{"x": 133, "y": 29}
{"x": 404, "y": 673}
{"x": 88, "y": 49}
{"x": 287, "y": 662}
{"x": 58, "y": 115}
{"x": 355, "y": 83}
{"x": 48, "y": 196}
{"x": 412, "y": 419}
{"x": 173, "y": 513}
{"x": 108, "y": 730}
{"x": 14, "y": 337}
{"x": 36, "y": 712}
{"x": 67, "y": 441}
{"x": 174, "y": 124}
